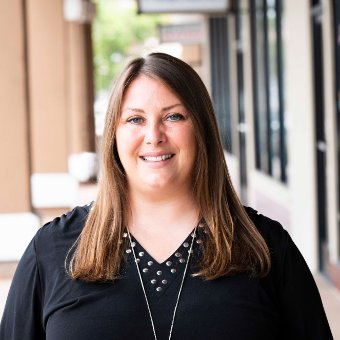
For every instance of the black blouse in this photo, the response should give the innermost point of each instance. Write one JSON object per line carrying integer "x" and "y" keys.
{"x": 44, "y": 303}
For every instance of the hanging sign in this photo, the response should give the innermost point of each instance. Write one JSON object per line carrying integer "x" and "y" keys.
{"x": 183, "y": 6}
{"x": 192, "y": 33}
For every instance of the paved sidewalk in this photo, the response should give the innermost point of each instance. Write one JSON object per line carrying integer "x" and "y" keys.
{"x": 330, "y": 297}
{"x": 331, "y": 300}
{"x": 4, "y": 287}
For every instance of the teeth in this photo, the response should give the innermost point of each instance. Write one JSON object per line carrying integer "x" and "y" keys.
{"x": 157, "y": 158}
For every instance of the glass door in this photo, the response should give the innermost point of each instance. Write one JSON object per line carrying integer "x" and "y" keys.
{"x": 336, "y": 11}
{"x": 320, "y": 131}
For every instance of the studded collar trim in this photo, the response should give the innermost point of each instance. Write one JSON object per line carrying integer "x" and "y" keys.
{"x": 158, "y": 277}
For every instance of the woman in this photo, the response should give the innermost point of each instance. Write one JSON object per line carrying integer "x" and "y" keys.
{"x": 167, "y": 250}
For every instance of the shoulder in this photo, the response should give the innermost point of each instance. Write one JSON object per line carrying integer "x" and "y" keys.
{"x": 275, "y": 236}
{"x": 60, "y": 233}
{"x": 70, "y": 222}
{"x": 268, "y": 228}
{"x": 284, "y": 254}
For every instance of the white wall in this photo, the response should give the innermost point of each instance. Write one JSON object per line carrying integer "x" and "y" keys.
{"x": 301, "y": 138}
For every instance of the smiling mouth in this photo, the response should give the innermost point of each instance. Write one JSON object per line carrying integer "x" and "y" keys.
{"x": 157, "y": 158}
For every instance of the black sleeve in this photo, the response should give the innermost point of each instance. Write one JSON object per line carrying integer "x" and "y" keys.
{"x": 300, "y": 306}
{"x": 303, "y": 315}
{"x": 22, "y": 318}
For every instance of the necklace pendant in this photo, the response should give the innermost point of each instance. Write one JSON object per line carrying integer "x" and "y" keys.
{"x": 164, "y": 282}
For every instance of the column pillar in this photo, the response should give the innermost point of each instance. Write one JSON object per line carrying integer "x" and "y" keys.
{"x": 14, "y": 148}
{"x": 301, "y": 139}
{"x": 82, "y": 157}
{"x": 17, "y": 223}
{"x": 52, "y": 186}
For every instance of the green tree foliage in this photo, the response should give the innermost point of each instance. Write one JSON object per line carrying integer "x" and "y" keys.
{"x": 118, "y": 32}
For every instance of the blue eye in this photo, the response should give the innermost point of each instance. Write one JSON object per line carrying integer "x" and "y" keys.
{"x": 135, "y": 120}
{"x": 174, "y": 117}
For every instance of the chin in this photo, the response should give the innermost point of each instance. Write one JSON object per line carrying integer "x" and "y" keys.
{"x": 159, "y": 183}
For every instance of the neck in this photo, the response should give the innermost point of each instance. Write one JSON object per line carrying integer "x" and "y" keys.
{"x": 159, "y": 213}
{"x": 160, "y": 225}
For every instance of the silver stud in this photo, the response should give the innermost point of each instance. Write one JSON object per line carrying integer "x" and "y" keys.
{"x": 128, "y": 251}
{"x": 159, "y": 272}
{"x": 190, "y": 251}
{"x": 164, "y": 282}
{"x": 141, "y": 253}
{"x": 173, "y": 270}
{"x": 150, "y": 263}
{"x": 159, "y": 289}
{"x": 178, "y": 254}
{"x": 133, "y": 244}
{"x": 153, "y": 281}
{"x": 201, "y": 225}
{"x": 137, "y": 260}
{"x": 145, "y": 270}
{"x": 125, "y": 235}
{"x": 168, "y": 263}
{"x": 181, "y": 260}
{"x": 199, "y": 241}
{"x": 186, "y": 244}
{"x": 193, "y": 235}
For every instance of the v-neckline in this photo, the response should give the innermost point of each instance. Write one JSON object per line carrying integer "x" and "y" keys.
{"x": 159, "y": 277}
{"x": 187, "y": 242}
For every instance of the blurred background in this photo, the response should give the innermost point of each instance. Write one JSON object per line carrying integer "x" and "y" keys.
{"x": 272, "y": 68}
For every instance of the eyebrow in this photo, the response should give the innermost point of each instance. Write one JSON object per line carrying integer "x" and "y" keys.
{"x": 164, "y": 108}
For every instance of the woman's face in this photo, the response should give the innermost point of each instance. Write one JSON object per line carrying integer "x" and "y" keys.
{"x": 155, "y": 138}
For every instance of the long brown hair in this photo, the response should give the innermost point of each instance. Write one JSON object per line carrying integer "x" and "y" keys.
{"x": 232, "y": 243}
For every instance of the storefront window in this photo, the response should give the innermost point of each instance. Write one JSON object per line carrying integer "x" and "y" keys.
{"x": 267, "y": 66}
{"x": 220, "y": 78}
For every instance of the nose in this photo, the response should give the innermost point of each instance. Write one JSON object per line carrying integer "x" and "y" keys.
{"x": 154, "y": 133}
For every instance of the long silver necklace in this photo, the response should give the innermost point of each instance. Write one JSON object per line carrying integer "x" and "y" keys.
{"x": 193, "y": 235}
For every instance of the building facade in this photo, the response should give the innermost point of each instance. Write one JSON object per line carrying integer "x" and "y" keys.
{"x": 275, "y": 84}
